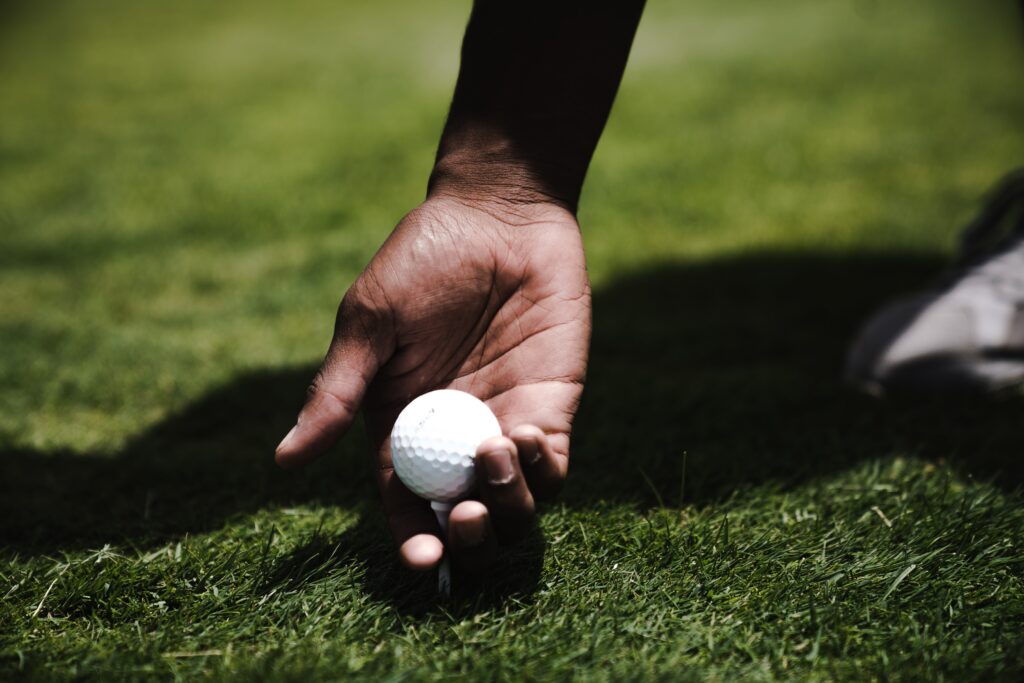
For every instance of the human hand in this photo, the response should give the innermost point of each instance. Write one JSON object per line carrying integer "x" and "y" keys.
{"x": 486, "y": 297}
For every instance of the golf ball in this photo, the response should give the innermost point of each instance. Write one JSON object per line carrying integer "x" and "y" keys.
{"x": 434, "y": 441}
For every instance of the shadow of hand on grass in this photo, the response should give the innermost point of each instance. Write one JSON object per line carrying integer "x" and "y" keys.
{"x": 726, "y": 374}
{"x": 363, "y": 547}
{"x": 186, "y": 474}
{"x": 733, "y": 363}
{"x": 196, "y": 470}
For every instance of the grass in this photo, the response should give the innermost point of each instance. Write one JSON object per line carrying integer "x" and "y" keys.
{"x": 185, "y": 192}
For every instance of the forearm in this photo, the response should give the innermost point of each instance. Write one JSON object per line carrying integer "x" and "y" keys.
{"x": 535, "y": 87}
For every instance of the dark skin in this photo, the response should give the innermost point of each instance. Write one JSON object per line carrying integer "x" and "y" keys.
{"x": 483, "y": 287}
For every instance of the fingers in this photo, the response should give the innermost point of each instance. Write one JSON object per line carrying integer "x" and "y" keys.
{"x": 338, "y": 387}
{"x": 331, "y": 404}
{"x": 511, "y": 472}
{"x": 471, "y": 537}
{"x": 412, "y": 522}
{"x": 503, "y": 488}
{"x": 541, "y": 417}
{"x": 545, "y": 469}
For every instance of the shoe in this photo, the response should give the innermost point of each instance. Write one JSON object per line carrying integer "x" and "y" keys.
{"x": 967, "y": 333}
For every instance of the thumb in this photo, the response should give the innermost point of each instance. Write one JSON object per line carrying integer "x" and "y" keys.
{"x": 338, "y": 387}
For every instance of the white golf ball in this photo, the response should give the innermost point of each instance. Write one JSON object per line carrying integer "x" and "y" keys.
{"x": 434, "y": 441}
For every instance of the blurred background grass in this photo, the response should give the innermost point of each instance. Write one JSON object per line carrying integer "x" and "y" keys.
{"x": 187, "y": 188}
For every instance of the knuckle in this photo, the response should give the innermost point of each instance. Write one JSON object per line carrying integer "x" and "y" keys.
{"x": 328, "y": 397}
{"x": 354, "y": 303}
{"x": 316, "y": 385}
{"x": 364, "y": 306}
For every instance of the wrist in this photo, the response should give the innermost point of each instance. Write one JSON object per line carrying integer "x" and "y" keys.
{"x": 478, "y": 161}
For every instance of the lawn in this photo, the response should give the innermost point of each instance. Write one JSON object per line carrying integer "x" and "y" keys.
{"x": 186, "y": 190}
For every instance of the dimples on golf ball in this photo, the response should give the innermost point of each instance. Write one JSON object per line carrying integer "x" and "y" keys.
{"x": 434, "y": 441}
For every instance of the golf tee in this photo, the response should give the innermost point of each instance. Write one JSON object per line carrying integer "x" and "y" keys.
{"x": 444, "y": 570}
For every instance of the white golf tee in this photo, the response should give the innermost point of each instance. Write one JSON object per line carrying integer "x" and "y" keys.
{"x": 444, "y": 570}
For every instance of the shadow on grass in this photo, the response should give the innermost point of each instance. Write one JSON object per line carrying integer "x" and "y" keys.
{"x": 705, "y": 378}
{"x": 364, "y": 544}
{"x": 709, "y": 378}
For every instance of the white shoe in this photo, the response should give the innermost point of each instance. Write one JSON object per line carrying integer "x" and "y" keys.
{"x": 967, "y": 334}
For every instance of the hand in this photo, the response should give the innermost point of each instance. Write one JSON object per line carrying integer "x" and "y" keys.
{"x": 489, "y": 298}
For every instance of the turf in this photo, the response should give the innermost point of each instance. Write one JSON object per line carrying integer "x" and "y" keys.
{"x": 187, "y": 188}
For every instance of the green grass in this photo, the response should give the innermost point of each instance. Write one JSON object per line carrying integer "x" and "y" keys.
{"x": 186, "y": 190}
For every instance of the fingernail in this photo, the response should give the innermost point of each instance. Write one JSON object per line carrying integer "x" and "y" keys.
{"x": 498, "y": 467}
{"x": 287, "y": 438}
{"x": 529, "y": 439}
{"x": 471, "y": 532}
